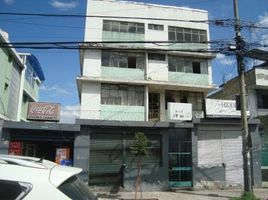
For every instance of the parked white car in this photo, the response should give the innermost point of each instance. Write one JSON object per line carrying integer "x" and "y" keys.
{"x": 33, "y": 178}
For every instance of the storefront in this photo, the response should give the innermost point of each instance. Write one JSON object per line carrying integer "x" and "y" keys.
{"x": 50, "y": 141}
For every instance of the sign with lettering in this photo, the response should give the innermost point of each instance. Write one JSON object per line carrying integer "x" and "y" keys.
{"x": 261, "y": 77}
{"x": 180, "y": 111}
{"x": 222, "y": 108}
{"x": 43, "y": 111}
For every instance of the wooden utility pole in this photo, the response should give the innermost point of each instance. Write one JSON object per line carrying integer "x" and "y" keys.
{"x": 240, "y": 46}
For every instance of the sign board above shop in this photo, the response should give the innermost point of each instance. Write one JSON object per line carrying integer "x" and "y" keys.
{"x": 179, "y": 111}
{"x": 43, "y": 111}
{"x": 218, "y": 108}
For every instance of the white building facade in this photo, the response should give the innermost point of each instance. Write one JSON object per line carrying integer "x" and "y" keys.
{"x": 136, "y": 81}
{"x": 147, "y": 68}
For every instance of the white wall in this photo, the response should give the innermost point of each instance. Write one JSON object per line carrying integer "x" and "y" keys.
{"x": 133, "y": 9}
{"x": 90, "y": 100}
{"x": 92, "y": 63}
{"x": 157, "y": 70}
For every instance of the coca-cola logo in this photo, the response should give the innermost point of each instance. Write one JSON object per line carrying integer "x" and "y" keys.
{"x": 43, "y": 111}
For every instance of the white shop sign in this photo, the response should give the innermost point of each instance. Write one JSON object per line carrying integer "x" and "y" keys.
{"x": 222, "y": 108}
{"x": 180, "y": 111}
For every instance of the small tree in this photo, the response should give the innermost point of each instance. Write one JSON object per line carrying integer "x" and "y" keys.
{"x": 140, "y": 149}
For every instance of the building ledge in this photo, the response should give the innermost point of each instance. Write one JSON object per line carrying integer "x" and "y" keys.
{"x": 158, "y": 84}
{"x": 143, "y": 124}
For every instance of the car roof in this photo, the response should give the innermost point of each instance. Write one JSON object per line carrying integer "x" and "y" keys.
{"x": 56, "y": 174}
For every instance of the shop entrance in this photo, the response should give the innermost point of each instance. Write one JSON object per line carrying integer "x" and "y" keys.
{"x": 53, "y": 145}
{"x": 180, "y": 159}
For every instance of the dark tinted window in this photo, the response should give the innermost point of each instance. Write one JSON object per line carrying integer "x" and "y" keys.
{"x": 10, "y": 190}
{"x": 156, "y": 56}
{"x": 74, "y": 188}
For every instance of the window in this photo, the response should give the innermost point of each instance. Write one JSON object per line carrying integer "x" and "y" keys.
{"x": 122, "y": 95}
{"x": 196, "y": 68}
{"x": 157, "y": 27}
{"x": 179, "y": 64}
{"x": 262, "y": 99}
{"x": 76, "y": 189}
{"x": 29, "y": 74}
{"x": 186, "y": 34}
{"x": 156, "y": 56}
{"x": 123, "y": 60}
{"x": 195, "y": 98}
{"x": 13, "y": 189}
{"x": 124, "y": 27}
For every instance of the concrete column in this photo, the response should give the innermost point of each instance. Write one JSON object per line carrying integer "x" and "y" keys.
{"x": 146, "y": 103}
{"x": 162, "y": 106}
{"x": 252, "y": 103}
{"x": 81, "y": 153}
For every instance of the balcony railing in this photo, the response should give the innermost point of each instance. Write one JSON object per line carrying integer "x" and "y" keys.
{"x": 153, "y": 115}
{"x": 112, "y": 115}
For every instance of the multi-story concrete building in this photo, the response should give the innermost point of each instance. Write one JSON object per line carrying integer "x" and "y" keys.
{"x": 257, "y": 103}
{"x": 146, "y": 72}
{"x": 20, "y": 80}
{"x": 142, "y": 82}
{"x": 12, "y": 68}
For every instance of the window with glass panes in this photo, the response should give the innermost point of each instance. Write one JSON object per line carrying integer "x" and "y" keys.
{"x": 124, "y": 27}
{"x": 186, "y": 34}
{"x": 122, "y": 60}
{"x": 180, "y": 64}
{"x": 157, "y": 27}
{"x": 122, "y": 95}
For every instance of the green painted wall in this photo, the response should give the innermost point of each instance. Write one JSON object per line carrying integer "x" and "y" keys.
{"x": 117, "y": 36}
{"x": 24, "y": 109}
{"x": 122, "y": 113}
{"x": 124, "y": 73}
{"x": 5, "y": 73}
{"x": 189, "y": 46}
{"x": 189, "y": 78}
{"x": 33, "y": 91}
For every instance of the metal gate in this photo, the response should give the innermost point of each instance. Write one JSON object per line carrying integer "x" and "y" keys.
{"x": 180, "y": 159}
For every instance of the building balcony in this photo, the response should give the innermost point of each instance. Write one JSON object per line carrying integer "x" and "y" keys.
{"x": 137, "y": 113}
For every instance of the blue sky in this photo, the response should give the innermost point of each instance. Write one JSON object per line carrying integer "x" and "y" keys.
{"x": 62, "y": 66}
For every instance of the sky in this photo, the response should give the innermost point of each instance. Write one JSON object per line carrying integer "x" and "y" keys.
{"x": 61, "y": 67}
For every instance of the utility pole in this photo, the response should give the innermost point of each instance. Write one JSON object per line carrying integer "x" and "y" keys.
{"x": 240, "y": 45}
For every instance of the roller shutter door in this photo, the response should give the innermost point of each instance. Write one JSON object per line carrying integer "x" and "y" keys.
{"x": 216, "y": 147}
{"x": 106, "y": 154}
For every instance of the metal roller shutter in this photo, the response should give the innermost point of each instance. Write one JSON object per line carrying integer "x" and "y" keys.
{"x": 105, "y": 158}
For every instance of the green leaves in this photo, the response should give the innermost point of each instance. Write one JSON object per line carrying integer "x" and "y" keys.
{"x": 141, "y": 144}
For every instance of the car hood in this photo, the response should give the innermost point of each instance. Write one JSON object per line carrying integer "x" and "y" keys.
{"x": 58, "y": 174}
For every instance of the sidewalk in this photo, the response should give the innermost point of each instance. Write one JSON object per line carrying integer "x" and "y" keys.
{"x": 185, "y": 195}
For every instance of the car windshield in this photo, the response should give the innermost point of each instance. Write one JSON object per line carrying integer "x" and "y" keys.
{"x": 76, "y": 189}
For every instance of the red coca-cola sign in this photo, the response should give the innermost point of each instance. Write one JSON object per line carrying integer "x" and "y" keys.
{"x": 43, "y": 111}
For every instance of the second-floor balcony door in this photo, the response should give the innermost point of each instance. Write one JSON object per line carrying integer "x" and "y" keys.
{"x": 154, "y": 106}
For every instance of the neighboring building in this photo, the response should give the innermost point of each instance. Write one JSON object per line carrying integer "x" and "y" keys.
{"x": 15, "y": 91}
{"x": 157, "y": 89}
{"x": 11, "y": 67}
{"x": 256, "y": 81}
{"x": 33, "y": 78}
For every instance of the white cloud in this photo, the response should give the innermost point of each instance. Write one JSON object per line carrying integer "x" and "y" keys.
{"x": 56, "y": 89}
{"x": 64, "y": 6}
{"x": 225, "y": 60}
{"x": 9, "y": 1}
{"x": 261, "y": 35}
{"x": 69, "y": 113}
